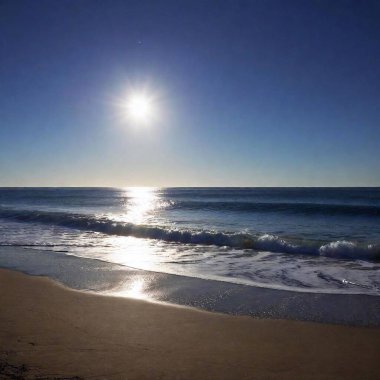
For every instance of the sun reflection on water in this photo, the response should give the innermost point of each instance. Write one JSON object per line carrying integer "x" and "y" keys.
{"x": 142, "y": 201}
{"x": 140, "y": 206}
{"x": 136, "y": 288}
{"x": 132, "y": 252}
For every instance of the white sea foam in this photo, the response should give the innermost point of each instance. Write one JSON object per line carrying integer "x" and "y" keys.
{"x": 349, "y": 250}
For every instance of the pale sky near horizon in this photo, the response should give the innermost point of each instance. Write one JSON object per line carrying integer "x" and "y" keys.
{"x": 245, "y": 93}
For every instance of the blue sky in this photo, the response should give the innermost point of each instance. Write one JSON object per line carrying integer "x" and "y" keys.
{"x": 250, "y": 93}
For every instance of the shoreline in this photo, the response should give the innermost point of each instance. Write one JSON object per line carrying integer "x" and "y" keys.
{"x": 58, "y": 332}
{"x": 216, "y": 296}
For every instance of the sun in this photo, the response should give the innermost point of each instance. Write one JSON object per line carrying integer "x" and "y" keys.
{"x": 139, "y": 108}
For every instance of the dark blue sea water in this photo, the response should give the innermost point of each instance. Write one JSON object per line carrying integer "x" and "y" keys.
{"x": 304, "y": 239}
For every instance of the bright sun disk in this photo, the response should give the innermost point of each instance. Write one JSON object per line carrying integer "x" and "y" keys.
{"x": 139, "y": 108}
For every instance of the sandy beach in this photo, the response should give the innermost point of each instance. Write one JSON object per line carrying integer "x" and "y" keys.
{"x": 48, "y": 331}
{"x": 189, "y": 190}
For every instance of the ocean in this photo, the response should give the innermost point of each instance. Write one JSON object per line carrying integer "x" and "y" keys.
{"x": 315, "y": 240}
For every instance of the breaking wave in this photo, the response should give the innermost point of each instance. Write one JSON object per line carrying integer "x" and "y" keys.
{"x": 266, "y": 242}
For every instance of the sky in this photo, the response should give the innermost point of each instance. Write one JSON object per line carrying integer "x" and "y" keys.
{"x": 245, "y": 93}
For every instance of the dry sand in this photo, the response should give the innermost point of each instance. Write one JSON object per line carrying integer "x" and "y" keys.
{"x": 60, "y": 333}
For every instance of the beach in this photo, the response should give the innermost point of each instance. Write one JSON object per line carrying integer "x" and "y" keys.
{"x": 49, "y": 331}
{"x": 189, "y": 283}
{"x": 189, "y": 190}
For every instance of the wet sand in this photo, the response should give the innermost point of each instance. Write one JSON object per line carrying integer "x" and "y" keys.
{"x": 207, "y": 294}
{"x": 56, "y": 332}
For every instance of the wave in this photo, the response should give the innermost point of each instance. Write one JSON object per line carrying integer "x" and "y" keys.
{"x": 289, "y": 207}
{"x": 266, "y": 242}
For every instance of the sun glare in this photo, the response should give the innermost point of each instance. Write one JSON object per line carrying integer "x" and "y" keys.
{"x": 139, "y": 108}
{"x": 140, "y": 105}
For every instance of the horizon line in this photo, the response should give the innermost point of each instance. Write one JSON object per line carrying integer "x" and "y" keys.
{"x": 185, "y": 187}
